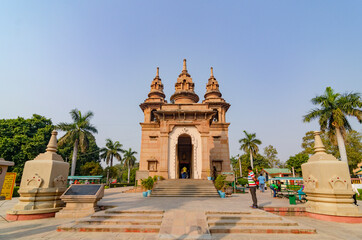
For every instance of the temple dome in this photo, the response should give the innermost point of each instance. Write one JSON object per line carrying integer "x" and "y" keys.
{"x": 184, "y": 88}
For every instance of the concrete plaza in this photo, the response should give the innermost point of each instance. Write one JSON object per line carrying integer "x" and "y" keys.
{"x": 175, "y": 209}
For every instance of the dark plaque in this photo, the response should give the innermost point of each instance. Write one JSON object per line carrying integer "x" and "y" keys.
{"x": 86, "y": 189}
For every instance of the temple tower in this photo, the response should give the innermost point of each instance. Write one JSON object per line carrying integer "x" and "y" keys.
{"x": 184, "y": 133}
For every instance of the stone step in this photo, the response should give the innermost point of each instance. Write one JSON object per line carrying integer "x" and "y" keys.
{"x": 133, "y": 212}
{"x": 236, "y": 222}
{"x": 109, "y": 228}
{"x": 185, "y": 195}
{"x": 111, "y": 221}
{"x": 219, "y": 217}
{"x": 262, "y": 229}
{"x": 127, "y": 216}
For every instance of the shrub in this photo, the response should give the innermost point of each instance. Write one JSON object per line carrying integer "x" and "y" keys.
{"x": 155, "y": 178}
{"x": 220, "y": 182}
{"x": 242, "y": 181}
{"x": 360, "y": 194}
{"x": 15, "y": 193}
{"x": 147, "y": 183}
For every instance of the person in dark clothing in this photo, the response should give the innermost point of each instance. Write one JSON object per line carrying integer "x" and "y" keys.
{"x": 214, "y": 173}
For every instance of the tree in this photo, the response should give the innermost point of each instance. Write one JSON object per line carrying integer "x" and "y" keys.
{"x": 129, "y": 160}
{"x": 296, "y": 161}
{"x": 23, "y": 139}
{"x": 249, "y": 144}
{"x": 353, "y": 141}
{"x": 259, "y": 163}
{"x": 91, "y": 169}
{"x": 271, "y": 156}
{"x": 333, "y": 115}
{"x": 78, "y": 133}
{"x": 111, "y": 150}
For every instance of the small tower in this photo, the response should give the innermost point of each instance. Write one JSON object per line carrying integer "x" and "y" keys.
{"x": 212, "y": 89}
{"x": 156, "y": 94}
{"x": 184, "y": 88}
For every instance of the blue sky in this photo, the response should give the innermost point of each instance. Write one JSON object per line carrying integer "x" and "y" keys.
{"x": 270, "y": 58}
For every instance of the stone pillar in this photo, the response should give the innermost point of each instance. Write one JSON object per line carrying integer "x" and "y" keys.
{"x": 43, "y": 182}
{"x": 206, "y": 165}
{"x": 328, "y": 185}
{"x": 3, "y": 169}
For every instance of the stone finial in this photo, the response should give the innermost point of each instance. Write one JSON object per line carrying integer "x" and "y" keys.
{"x": 318, "y": 144}
{"x": 52, "y": 145}
{"x": 212, "y": 72}
{"x": 184, "y": 69}
{"x": 158, "y": 72}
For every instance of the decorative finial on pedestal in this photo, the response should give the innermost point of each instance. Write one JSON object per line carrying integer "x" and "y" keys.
{"x": 184, "y": 69}
{"x": 212, "y": 72}
{"x": 158, "y": 71}
{"x": 52, "y": 145}
{"x": 318, "y": 144}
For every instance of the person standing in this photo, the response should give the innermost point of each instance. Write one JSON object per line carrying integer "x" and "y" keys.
{"x": 261, "y": 179}
{"x": 252, "y": 187}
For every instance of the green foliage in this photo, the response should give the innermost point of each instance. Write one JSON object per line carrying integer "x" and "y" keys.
{"x": 220, "y": 182}
{"x": 242, "y": 181}
{"x": 15, "y": 192}
{"x": 23, "y": 139}
{"x": 147, "y": 183}
{"x": 360, "y": 194}
{"x": 113, "y": 172}
{"x": 78, "y": 133}
{"x": 91, "y": 169}
{"x": 112, "y": 149}
{"x": 90, "y": 155}
{"x": 353, "y": 141}
{"x": 296, "y": 161}
{"x": 270, "y": 154}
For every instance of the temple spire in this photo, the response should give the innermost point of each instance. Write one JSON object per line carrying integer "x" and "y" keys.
{"x": 318, "y": 144}
{"x": 212, "y": 72}
{"x": 184, "y": 68}
{"x": 158, "y": 72}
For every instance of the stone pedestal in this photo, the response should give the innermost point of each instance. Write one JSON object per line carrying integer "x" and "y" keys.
{"x": 43, "y": 182}
{"x": 3, "y": 169}
{"x": 328, "y": 185}
{"x": 79, "y": 203}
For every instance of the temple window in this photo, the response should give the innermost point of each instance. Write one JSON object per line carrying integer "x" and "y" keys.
{"x": 153, "y": 116}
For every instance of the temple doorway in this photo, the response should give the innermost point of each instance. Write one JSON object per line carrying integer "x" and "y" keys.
{"x": 184, "y": 156}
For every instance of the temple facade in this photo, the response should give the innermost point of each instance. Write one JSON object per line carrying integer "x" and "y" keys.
{"x": 184, "y": 133}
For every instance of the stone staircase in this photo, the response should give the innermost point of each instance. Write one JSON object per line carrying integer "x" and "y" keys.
{"x": 253, "y": 222}
{"x": 184, "y": 188}
{"x": 117, "y": 221}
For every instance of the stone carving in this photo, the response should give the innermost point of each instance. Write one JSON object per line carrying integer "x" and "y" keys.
{"x": 311, "y": 182}
{"x": 35, "y": 181}
{"x": 60, "y": 181}
{"x": 338, "y": 183}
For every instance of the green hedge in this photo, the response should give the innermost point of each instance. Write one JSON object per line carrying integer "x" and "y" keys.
{"x": 360, "y": 194}
{"x": 15, "y": 193}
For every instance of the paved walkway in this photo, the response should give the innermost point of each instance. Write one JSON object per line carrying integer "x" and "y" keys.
{"x": 187, "y": 208}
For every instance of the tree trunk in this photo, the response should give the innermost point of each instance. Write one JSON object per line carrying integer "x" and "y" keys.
{"x": 74, "y": 158}
{"x": 341, "y": 146}
{"x": 241, "y": 172}
{"x": 129, "y": 171}
{"x": 251, "y": 160}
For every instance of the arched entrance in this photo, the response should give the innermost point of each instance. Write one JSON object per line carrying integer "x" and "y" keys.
{"x": 196, "y": 150}
{"x": 184, "y": 156}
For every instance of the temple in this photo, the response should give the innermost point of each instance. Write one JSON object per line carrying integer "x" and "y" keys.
{"x": 184, "y": 133}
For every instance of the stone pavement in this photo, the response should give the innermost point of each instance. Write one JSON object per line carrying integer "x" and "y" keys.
{"x": 178, "y": 213}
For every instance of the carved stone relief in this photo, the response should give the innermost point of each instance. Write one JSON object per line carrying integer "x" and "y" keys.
{"x": 60, "y": 181}
{"x": 35, "y": 181}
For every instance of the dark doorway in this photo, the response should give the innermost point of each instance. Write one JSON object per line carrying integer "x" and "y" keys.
{"x": 184, "y": 156}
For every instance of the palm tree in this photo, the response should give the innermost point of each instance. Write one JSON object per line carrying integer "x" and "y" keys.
{"x": 129, "y": 160}
{"x": 78, "y": 133}
{"x": 333, "y": 114}
{"x": 111, "y": 150}
{"x": 249, "y": 144}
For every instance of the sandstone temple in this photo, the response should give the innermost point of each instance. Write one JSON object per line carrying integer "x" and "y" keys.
{"x": 184, "y": 133}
